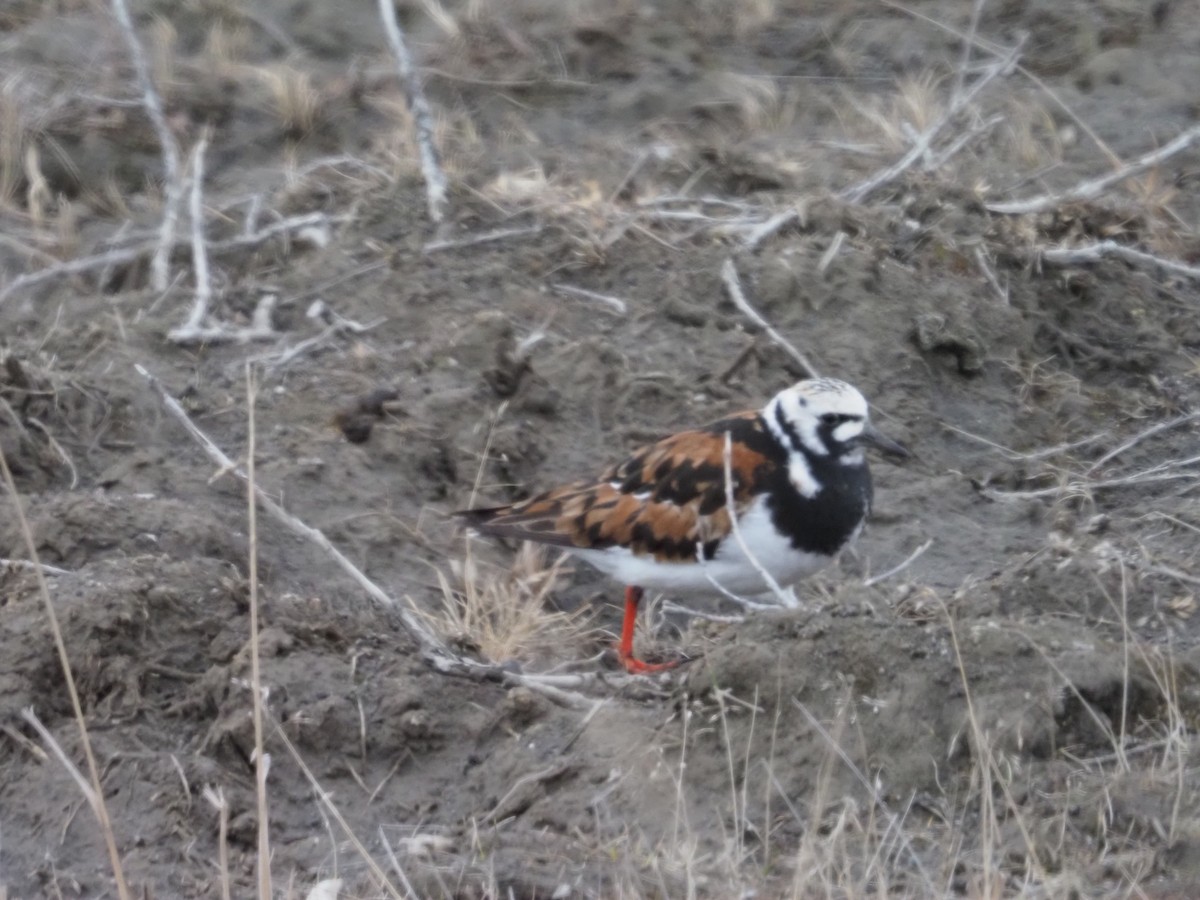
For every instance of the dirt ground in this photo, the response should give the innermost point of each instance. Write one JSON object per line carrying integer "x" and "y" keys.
{"x": 1010, "y": 714}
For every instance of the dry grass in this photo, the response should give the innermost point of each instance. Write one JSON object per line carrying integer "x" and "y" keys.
{"x": 294, "y": 101}
{"x": 503, "y": 614}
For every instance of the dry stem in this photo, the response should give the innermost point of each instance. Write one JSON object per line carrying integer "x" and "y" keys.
{"x": 433, "y": 649}
{"x": 1075, "y": 256}
{"x": 786, "y": 600}
{"x": 159, "y": 266}
{"x": 431, "y": 169}
{"x": 94, "y": 792}
{"x": 200, "y": 305}
{"x": 261, "y": 761}
{"x": 924, "y": 140}
{"x": 733, "y": 285}
{"x": 1094, "y": 187}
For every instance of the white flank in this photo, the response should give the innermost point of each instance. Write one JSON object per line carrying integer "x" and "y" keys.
{"x": 729, "y": 568}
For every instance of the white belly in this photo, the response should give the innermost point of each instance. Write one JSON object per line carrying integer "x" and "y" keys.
{"x": 730, "y": 568}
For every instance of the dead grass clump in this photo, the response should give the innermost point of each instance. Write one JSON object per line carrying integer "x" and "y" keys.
{"x": 503, "y": 615}
{"x": 295, "y": 103}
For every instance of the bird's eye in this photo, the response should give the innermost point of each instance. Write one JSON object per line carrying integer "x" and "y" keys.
{"x": 833, "y": 419}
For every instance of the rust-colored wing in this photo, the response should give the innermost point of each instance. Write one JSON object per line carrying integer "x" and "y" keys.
{"x": 662, "y": 501}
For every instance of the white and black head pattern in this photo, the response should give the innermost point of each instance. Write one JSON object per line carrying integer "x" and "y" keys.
{"x": 823, "y": 417}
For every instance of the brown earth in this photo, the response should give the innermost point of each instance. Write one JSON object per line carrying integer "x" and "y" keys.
{"x": 1009, "y": 715}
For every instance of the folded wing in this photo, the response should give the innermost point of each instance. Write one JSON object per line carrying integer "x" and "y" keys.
{"x": 664, "y": 501}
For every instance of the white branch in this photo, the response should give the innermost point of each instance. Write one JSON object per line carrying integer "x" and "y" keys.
{"x": 1063, "y": 256}
{"x": 433, "y": 648}
{"x": 729, "y": 275}
{"x": 199, "y": 251}
{"x": 431, "y": 169}
{"x": 924, "y": 140}
{"x": 616, "y": 304}
{"x": 786, "y": 600}
{"x": 760, "y": 233}
{"x": 1138, "y": 438}
{"x": 486, "y": 237}
{"x": 897, "y": 569}
{"x": 1088, "y": 190}
{"x": 130, "y": 254}
{"x": 173, "y": 187}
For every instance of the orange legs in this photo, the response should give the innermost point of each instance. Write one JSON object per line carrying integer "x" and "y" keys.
{"x": 633, "y": 596}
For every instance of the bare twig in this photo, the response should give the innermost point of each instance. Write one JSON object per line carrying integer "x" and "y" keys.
{"x": 760, "y": 233}
{"x": 26, "y": 564}
{"x": 985, "y": 267}
{"x": 923, "y": 142}
{"x": 729, "y": 595}
{"x": 871, "y": 788}
{"x": 436, "y": 654}
{"x": 173, "y": 191}
{"x": 831, "y": 252}
{"x": 939, "y": 159}
{"x": 326, "y": 800}
{"x": 897, "y": 569}
{"x": 130, "y": 254}
{"x": 262, "y": 762}
{"x": 203, "y": 297}
{"x": 616, "y": 304}
{"x": 1076, "y": 256}
{"x": 216, "y": 798}
{"x": 486, "y": 237}
{"x": 92, "y": 789}
{"x": 733, "y": 285}
{"x": 1080, "y": 486}
{"x": 961, "y": 75}
{"x": 1092, "y": 188}
{"x": 431, "y": 169}
{"x": 786, "y": 600}
{"x": 670, "y": 606}
{"x": 1141, "y": 436}
{"x": 1009, "y": 453}
{"x": 259, "y": 329}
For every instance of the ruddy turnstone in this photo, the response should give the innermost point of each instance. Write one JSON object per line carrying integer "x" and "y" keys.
{"x": 660, "y": 519}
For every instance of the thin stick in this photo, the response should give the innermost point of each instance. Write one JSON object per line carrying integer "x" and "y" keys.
{"x": 396, "y": 867}
{"x": 733, "y": 285}
{"x": 981, "y": 258}
{"x": 431, "y": 169}
{"x": 616, "y": 304}
{"x": 831, "y": 252}
{"x": 777, "y": 222}
{"x": 434, "y": 650}
{"x": 1092, "y": 188}
{"x": 786, "y": 600}
{"x": 26, "y": 564}
{"x": 216, "y": 797}
{"x": 486, "y": 237}
{"x": 897, "y": 569}
{"x": 94, "y": 792}
{"x": 923, "y": 141}
{"x": 720, "y": 588}
{"x": 960, "y": 76}
{"x": 874, "y": 791}
{"x": 1141, "y": 436}
{"x": 1136, "y": 478}
{"x": 131, "y": 254}
{"x": 199, "y": 251}
{"x": 159, "y": 266}
{"x": 325, "y": 799}
{"x": 261, "y": 761}
{"x": 671, "y": 606}
{"x": 1075, "y": 256}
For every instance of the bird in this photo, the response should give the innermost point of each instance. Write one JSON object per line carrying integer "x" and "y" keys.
{"x": 662, "y": 519}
